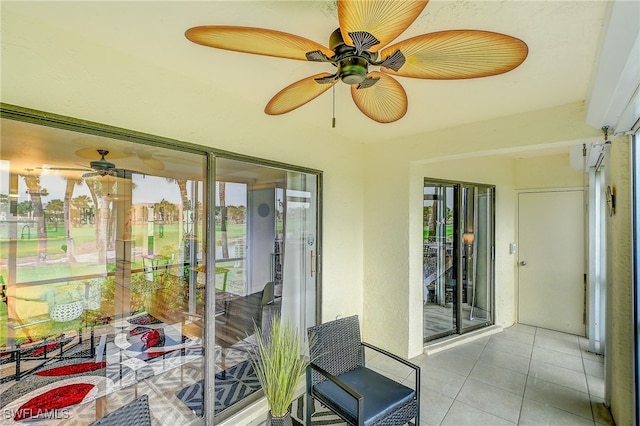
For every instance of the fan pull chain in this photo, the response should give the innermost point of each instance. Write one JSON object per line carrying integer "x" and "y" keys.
{"x": 333, "y": 119}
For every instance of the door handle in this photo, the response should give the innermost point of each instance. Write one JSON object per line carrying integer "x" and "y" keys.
{"x": 523, "y": 263}
{"x": 312, "y": 263}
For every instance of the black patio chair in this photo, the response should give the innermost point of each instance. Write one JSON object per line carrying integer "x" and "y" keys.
{"x": 339, "y": 379}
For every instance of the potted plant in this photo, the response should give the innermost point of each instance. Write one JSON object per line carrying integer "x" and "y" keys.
{"x": 279, "y": 364}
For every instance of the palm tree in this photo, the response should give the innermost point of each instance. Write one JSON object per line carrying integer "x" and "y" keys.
{"x": 71, "y": 183}
{"x": 184, "y": 196}
{"x": 54, "y": 209}
{"x": 35, "y": 193}
{"x": 102, "y": 195}
{"x": 223, "y": 215}
{"x": 82, "y": 203}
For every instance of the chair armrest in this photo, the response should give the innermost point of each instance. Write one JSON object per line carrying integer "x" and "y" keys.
{"x": 348, "y": 389}
{"x": 398, "y": 359}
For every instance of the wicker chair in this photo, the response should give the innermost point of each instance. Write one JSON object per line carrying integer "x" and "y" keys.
{"x": 339, "y": 379}
{"x": 135, "y": 413}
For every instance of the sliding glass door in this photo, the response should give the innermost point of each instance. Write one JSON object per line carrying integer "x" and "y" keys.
{"x": 457, "y": 257}
{"x": 99, "y": 236}
{"x": 131, "y": 266}
{"x": 265, "y": 265}
{"x": 439, "y": 252}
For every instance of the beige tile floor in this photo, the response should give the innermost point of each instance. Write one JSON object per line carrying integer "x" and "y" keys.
{"x": 523, "y": 375}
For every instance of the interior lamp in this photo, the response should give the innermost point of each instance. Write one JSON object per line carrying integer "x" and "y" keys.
{"x": 467, "y": 238}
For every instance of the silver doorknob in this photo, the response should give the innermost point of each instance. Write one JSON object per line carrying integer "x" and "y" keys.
{"x": 522, "y": 263}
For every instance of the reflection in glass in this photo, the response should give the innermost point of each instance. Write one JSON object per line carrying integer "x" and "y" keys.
{"x": 457, "y": 251}
{"x": 95, "y": 266}
{"x": 104, "y": 272}
{"x": 265, "y": 234}
{"x": 438, "y": 251}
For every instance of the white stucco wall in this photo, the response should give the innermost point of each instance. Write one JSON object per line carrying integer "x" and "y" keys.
{"x": 619, "y": 327}
{"x": 547, "y": 172}
{"x": 484, "y": 152}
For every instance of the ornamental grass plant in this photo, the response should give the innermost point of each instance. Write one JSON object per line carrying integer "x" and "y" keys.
{"x": 279, "y": 364}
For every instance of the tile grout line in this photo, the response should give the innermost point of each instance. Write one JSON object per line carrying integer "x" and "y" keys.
{"x": 526, "y": 380}
{"x": 593, "y": 417}
{"x": 463, "y": 383}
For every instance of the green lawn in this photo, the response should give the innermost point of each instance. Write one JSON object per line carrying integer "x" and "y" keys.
{"x": 425, "y": 231}
{"x": 28, "y": 270}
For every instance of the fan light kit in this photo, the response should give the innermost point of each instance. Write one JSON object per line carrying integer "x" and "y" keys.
{"x": 366, "y": 27}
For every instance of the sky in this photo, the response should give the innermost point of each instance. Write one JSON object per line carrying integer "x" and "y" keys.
{"x": 148, "y": 189}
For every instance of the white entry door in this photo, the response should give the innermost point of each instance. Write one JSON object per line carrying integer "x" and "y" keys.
{"x": 551, "y": 260}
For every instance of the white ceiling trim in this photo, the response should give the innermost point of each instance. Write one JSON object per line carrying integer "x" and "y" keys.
{"x": 615, "y": 98}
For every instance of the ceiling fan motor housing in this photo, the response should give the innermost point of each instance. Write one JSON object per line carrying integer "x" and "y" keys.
{"x": 353, "y": 70}
{"x": 352, "y": 67}
{"x": 101, "y": 165}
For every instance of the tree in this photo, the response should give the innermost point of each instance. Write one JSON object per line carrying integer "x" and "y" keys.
{"x": 25, "y": 208}
{"x": 184, "y": 197}
{"x": 101, "y": 190}
{"x": 82, "y": 203}
{"x": 236, "y": 214}
{"x": 223, "y": 222}
{"x": 36, "y": 193}
{"x": 433, "y": 221}
{"x": 4, "y": 205}
{"x": 166, "y": 211}
{"x": 54, "y": 209}
{"x": 71, "y": 253}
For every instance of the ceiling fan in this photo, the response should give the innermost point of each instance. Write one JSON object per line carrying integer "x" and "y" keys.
{"x": 101, "y": 167}
{"x": 146, "y": 155}
{"x": 366, "y": 27}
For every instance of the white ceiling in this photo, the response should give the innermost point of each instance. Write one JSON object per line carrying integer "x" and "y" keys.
{"x": 563, "y": 39}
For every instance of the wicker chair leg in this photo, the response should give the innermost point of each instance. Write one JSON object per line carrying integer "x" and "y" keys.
{"x": 309, "y": 409}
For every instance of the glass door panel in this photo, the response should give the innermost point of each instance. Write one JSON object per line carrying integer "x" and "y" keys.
{"x": 439, "y": 248}
{"x": 300, "y": 252}
{"x": 458, "y": 258}
{"x": 477, "y": 256}
{"x": 97, "y": 271}
{"x": 266, "y": 245}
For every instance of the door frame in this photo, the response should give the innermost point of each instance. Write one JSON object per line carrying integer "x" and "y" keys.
{"x": 458, "y": 248}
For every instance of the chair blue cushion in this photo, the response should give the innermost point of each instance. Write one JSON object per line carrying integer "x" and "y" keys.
{"x": 382, "y": 396}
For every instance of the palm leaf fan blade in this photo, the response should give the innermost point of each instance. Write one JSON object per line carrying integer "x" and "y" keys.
{"x": 297, "y": 94}
{"x": 154, "y": 163}
{"x": 90, "y": 153}
{"x": 384, "y": 102}
{"x": 385, "y": 19}
{"x": 458, "y": 54}
{"x": 258, "y": 41}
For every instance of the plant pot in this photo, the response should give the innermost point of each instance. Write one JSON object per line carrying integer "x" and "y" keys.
{"x": 279, "y": 421}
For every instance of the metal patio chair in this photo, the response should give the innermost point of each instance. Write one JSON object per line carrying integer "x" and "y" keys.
{"x": 339, "y": 379}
